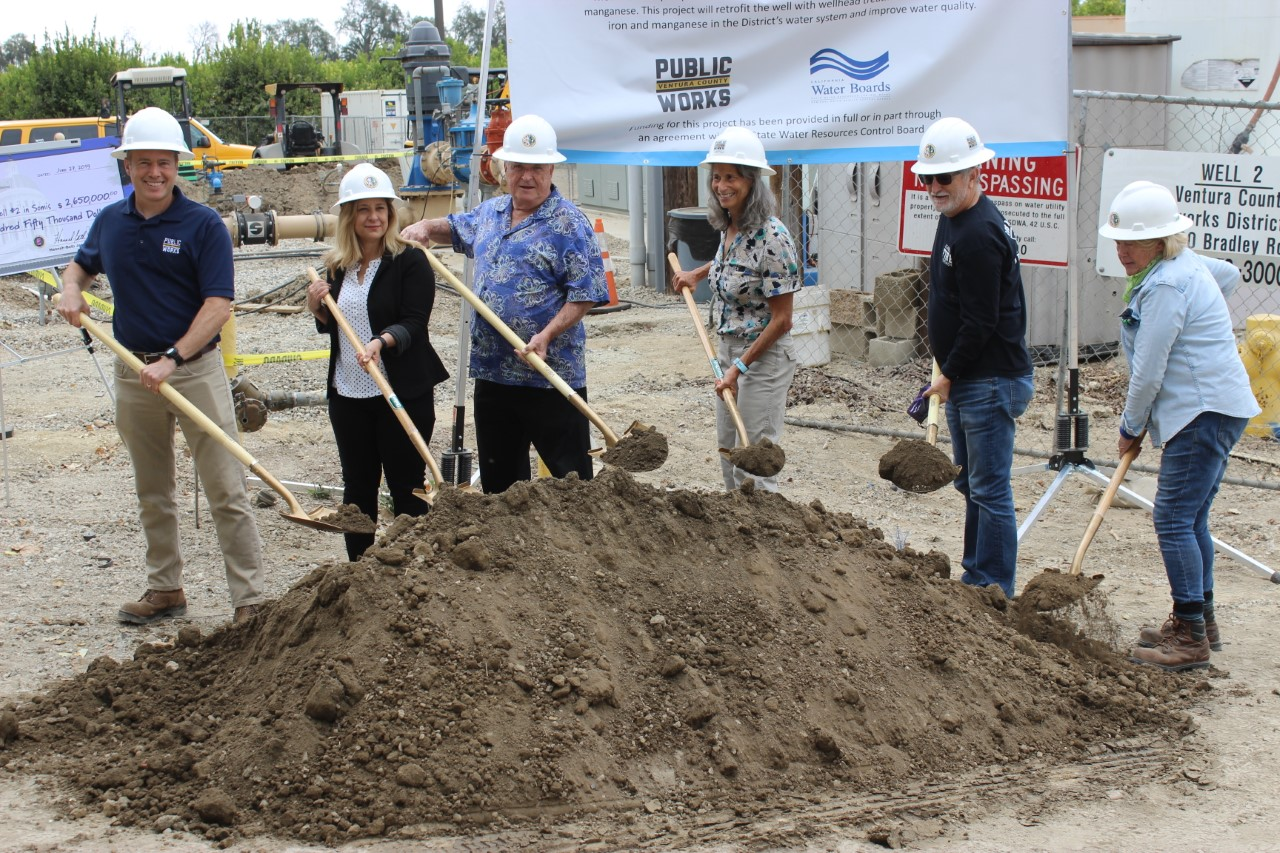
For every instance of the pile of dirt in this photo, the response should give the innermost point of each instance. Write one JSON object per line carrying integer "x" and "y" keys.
{"x": 566, "y": 647}
{"x": 303, "y": 189}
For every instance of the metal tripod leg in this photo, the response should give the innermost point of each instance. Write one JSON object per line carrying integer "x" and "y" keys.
{"x": 1063, "y": 473}
{"x": 1093, "y": 473}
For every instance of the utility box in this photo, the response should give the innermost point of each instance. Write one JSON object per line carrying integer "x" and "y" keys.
{"x": 373, "y": 119}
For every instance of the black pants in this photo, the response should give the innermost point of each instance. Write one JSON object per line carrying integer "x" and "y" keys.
{"x": 509, "y": 418}
{"x": 371, "y": 443}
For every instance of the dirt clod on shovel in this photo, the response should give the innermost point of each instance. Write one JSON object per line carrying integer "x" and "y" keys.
{"x": 917, "y": 466}
{"x": 763, "y": 459}
{"x": 1052, "y": 590}
{"x": 351, "y": 519}
{"x": 639, "y": 449}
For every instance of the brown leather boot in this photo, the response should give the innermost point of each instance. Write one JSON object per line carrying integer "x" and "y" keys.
{"x": 1185, "y": 648}
{"x": 154, "y": 604}
{"x": 1149, "y": 637}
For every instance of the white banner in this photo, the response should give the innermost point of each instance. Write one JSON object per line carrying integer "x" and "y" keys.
{"x": 652, "y": 82}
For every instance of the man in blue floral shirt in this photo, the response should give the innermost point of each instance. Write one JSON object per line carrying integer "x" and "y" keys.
{"x": 538, "y": 266}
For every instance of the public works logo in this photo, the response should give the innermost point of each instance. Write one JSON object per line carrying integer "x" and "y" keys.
{"x": 835, "y": 76}
{"x": 172, "y": 245}
{"x": 688, "y": 83}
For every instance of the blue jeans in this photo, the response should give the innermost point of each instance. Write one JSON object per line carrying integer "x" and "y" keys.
{"x": 980, "y": 414}
{"x": 1190, "y": 472}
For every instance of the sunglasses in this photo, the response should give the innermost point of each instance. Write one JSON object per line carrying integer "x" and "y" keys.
{"x": 944, "y": 179}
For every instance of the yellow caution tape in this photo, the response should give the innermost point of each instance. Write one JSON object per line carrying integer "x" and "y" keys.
{"x": 239, "y": 360}
{"x": 47, "y": 277}
{"x": 277, "y": 358}
{"x": 272, "y": 161}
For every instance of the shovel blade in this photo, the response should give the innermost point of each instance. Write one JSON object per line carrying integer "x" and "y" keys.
{"x": 636, "y": 426}
{"x": 317, "y": 519}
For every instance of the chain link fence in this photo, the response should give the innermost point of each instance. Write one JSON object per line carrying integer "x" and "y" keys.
{"x": 865, "y": 302}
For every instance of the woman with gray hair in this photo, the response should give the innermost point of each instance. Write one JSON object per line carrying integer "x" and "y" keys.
{"x": 1190, "y": 392}
{"x": 754, "y": 277}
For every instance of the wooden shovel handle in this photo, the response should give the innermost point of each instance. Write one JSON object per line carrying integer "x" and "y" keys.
{"x": 1105, "y": 501}
{"x": 383, "y": 385}
{"x": 935, "y": 407}
{"x": 610, "y": 438}
{"x": 716, "y": 367}
{"x": 198, "y": 417}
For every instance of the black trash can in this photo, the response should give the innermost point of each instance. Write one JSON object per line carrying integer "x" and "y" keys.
{"x": 694, "y": 241}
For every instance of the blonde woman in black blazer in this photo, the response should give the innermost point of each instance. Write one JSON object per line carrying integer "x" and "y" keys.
{"x": 385, "y": 288}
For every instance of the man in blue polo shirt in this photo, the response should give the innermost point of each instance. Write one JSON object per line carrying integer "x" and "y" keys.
{"x": 168, "y": 260}
{"x": 539, "y": 267}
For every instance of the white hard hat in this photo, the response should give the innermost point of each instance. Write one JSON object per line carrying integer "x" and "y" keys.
{"x": 153, "y": 129}
{"x": 365, "y": 180}
{"x": 739, "y": 147}
{"x": 1143, "y": 211}
{"x": 529, "y": 139}
{"x": 950, "y": 145}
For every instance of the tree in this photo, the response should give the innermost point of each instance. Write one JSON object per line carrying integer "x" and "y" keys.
{"x": 371, "y": 24}
{"x": 16, "y": 50}
{"x": 308, "y": 34}
{"x": 1098, "y": 7}
{"x": 230, "y": 84}
{"x": 65, "y": 78}
{"x": 204, "y": 41}
{"x": 468, "y": 30}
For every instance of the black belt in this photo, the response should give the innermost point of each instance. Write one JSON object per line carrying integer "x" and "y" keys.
{"x": 153, "y": 357}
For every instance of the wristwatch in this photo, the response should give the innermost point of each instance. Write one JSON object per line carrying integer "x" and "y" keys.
{"x": 172, "y": 352}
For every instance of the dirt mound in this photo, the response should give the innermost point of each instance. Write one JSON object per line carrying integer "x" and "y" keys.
{"x": 303, "y": 189}
{"x": 570, "y": 646}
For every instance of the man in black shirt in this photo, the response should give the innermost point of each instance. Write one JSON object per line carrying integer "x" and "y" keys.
{"x": 977, "y": 332}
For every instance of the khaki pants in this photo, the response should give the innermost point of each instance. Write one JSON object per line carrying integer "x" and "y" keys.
{"x": 762, "y": 402}
{"x": 146, "y": 422}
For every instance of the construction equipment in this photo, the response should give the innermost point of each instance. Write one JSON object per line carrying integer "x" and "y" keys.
{"x": 201, "y": 140}
{"x": 297, "y": 137}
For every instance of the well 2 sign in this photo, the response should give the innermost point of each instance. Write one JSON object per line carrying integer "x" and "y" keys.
{"x": 1031, "y": 192}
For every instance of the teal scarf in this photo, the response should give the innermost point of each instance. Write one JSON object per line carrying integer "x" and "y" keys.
{"x": 1135, "y": 280}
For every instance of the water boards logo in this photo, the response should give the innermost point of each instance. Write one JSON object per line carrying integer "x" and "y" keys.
{"x": 687, "y": 83}
{"x": 836, "y": 77}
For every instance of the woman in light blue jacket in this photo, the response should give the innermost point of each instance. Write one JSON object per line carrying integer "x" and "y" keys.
{"x": 1189, "y": 391}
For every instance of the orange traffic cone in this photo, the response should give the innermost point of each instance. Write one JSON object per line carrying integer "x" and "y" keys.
{"x": 613, "y": 304}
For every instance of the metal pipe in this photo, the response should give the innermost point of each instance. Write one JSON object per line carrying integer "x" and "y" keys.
{"x": 655, "y": 224}
{"x": 635, "y": 214}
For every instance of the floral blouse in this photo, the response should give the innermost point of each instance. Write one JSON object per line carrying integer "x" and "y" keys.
{"x": 754, "y": 268}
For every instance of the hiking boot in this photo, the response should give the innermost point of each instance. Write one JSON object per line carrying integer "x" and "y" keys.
{"x": 1149, "y": 637}
{"x": 245, "y": 613}
{"x": 1184, "y": 648}
{"x": 154, "y": 604}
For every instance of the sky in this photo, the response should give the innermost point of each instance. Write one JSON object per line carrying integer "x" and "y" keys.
{"x": 168, "y": 28}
